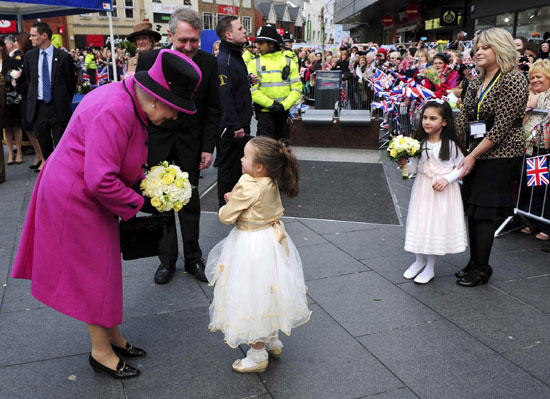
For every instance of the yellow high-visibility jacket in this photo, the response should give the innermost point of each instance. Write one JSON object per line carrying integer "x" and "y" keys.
{"x": 247, "y": 56}
{"x": 271, "y": 87}
{"x": 89, "y": 61}
{"x": 292, "y": 55}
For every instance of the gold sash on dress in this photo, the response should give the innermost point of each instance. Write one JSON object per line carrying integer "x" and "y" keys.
{"x": 276, "y": 223}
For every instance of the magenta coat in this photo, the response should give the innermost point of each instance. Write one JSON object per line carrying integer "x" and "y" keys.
{"x": 70, "y": 246}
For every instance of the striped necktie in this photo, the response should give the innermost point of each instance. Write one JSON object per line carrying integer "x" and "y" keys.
{"x": 46, "y": 89}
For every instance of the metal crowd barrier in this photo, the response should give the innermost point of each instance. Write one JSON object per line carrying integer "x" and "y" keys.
{"x": 529, "y": 198}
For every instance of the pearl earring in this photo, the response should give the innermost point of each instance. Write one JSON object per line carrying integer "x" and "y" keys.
{"x": 154, "y": 105}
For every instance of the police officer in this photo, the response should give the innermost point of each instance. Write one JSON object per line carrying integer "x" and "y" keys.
{"x": 279, "y": 86}
{"x": 236, "y": 105}
{"x": 248, "y": 52}
{"x": 288, "y": 39}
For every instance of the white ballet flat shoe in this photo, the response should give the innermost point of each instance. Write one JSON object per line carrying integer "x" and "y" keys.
{"x": 412, "y": 271}
{"x": 274, "y": 348}
{"x": 424, "y": 277}
{"x": 256, "y": 361}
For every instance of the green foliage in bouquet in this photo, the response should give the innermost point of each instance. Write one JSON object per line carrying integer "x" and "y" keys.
{"x": 84, "y": 88}
{"x": 432, "y": 75}
{"x": 129, "y": 47}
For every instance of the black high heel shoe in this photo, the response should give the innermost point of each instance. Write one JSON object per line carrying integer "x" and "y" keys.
{"x": 476, "y": 277}
{"x": 123, "y": 370}
{"x": 465, "y": 270}
{"x": 129, "y": 351}
{"x": 36, "y": 165}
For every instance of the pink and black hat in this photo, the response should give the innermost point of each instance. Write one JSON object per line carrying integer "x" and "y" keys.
{"x": 173, "y": 79}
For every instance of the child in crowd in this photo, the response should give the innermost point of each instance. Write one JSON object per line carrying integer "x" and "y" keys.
{"x": 435, "y": 221}
{"x": 256, "y": 269}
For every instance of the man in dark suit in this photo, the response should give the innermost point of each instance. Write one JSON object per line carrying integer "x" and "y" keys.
{"x": 188, "y": 141}
{"x": 51, "y": 77}
{"x": 236, "y": 106}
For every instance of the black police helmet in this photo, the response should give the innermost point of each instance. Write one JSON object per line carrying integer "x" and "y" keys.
{"x": 268, "y": 33}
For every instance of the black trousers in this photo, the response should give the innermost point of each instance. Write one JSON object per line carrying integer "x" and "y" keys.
{"x": 47, "y": 127}
{"x": 189, "y": 218}
{"x": 481, "y": 234}
{"x": 273, "y": 124}
{"x": 231, "y": 150}
{"x": 92, "y": 73}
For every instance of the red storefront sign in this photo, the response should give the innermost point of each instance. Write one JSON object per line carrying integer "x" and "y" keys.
{"x": 228, "y": 10}
{"x": 95, "y": 41}
{"x": 7, "y": 26}
{"x": 387, "y": 20}
{"x": 412, "y": 12}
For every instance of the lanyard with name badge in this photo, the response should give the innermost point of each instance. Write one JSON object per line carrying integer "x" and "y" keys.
{"x": 478, "y": 128}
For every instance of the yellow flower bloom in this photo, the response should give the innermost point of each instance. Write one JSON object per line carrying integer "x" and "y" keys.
{"x": 153, "y": 168}
{"x": 393, "y": 153}
{"x": 156, "y": 202}
{"x": 413, "y": 151}
{"x": 164, "y": 163}
{"x": 167, "y": 178}
{"x": 172, "y": 171}
{"x": 180, "y": 182}
{"x": 177, "y": 206}
{"x": 143, "y": 184}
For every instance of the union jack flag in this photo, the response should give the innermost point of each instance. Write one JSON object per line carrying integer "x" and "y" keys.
{"x": 384, "y": 105}
{"x": 85, "y": 76}
{"x": 537, "y": 171}
{"x": 381, "y": 78}
{"x": 103, "y": 76}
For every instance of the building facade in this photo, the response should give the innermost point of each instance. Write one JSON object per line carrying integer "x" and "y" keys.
{"x": 402, "y": 21}
{"x": 212, "y": 11}
{"x": 283, "y": 15}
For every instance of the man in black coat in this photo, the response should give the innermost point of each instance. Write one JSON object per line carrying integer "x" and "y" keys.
{"x": 236, "y": 105}
{"x": 188, "y": 141}
{"x": 51, "y": 77}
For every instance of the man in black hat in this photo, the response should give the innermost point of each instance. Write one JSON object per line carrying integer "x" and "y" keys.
{"x": 236, "y": 105}
{"x": 279, "y": 86}
{"x": 188, "y": 141}
{"x": 288, "y": 39}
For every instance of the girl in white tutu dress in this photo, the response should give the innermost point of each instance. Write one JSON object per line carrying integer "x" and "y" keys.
{"x": 435, "y": 221}
{"x": 256, "y": 270}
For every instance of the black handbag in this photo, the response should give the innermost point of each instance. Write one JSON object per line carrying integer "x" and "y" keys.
{"x": 145, "y": 236}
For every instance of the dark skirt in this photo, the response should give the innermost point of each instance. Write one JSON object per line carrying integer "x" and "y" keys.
{"x": 488, "y": 191}
{"x": 11, "y": 115}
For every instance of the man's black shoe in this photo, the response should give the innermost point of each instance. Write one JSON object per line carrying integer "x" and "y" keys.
{"x": 164, "y": 273}
{"x": 196, "y": 269}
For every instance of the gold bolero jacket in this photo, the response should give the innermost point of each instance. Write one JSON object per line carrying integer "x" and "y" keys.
{"x": 255, "y": 204}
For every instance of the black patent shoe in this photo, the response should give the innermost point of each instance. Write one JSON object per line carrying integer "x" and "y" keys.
{"x": 197, "y": 270}
{"x": 465, "y": 270}
{"x": 123, "y": 370}
{"x": 164, "y": 273}
{"x": 129, "y": 351}
{"x": 475, "y": 277}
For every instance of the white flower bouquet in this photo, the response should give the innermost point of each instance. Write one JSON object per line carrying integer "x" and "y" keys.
{"x": 403, "y": 147}
{"x": 167, "y": 186}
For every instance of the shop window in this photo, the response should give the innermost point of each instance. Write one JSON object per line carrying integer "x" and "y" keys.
{"x": 207, "y": 20}
{"x": 103, "y": 14}
{"x": 504, "y": 21}
{"x": 247, "y": 24}
{"x": 129, "y": 9}
{"x": 533, "y": 20}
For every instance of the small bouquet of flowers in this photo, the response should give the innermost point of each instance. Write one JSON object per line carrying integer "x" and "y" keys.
{"x": 432, "y": 75}
{"x": 84, "y": 88}
{"x": 167, "y": 186}
{"x": 403, "y": 147}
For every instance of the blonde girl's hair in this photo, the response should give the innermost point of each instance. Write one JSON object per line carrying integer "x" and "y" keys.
{"x": 425, "y": 53}
{"x": 279, "y": 163}
{"x": 540, "y": 66}
{"x": 502, "y": 43}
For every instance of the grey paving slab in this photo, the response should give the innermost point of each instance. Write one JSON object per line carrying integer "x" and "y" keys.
{"x": 212, "y": 225}
{"x": 517, "y": 265}
{"x": 321, "y": 360}
{"x": 326, "y": 260}
{"x": 438, "y": 360}
{"x": 495, "y": 318}
{"x": 529, "y": 291}
{"x": 401, "y": 393}
{"x": 365, "y": 303}
{"x": 15, "y": 194}
{"x": 142, "y": 296}
{"x": 141, "y": 266}
{"x": 303, "y": 236}
{"x": 398, "y": 231}
{"x": 18, "y": 296}
{"x": 393, "y": 267}
{"x": 533, "y": 359}
{"x": 332, "y": 226}
{"x": 367, "y": 244}
{"x": 68, "y": 377}
{"x": 185, "y": 360}
{"x": 40, "y": 334}
{"x": 516, "y": 241}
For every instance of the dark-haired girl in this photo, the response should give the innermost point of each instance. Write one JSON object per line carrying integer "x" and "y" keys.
{"x": 256, "y": 269}
{"x": 435, "y": 222}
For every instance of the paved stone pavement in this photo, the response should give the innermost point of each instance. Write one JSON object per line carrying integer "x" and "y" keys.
{"x": 372, "y": 334}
